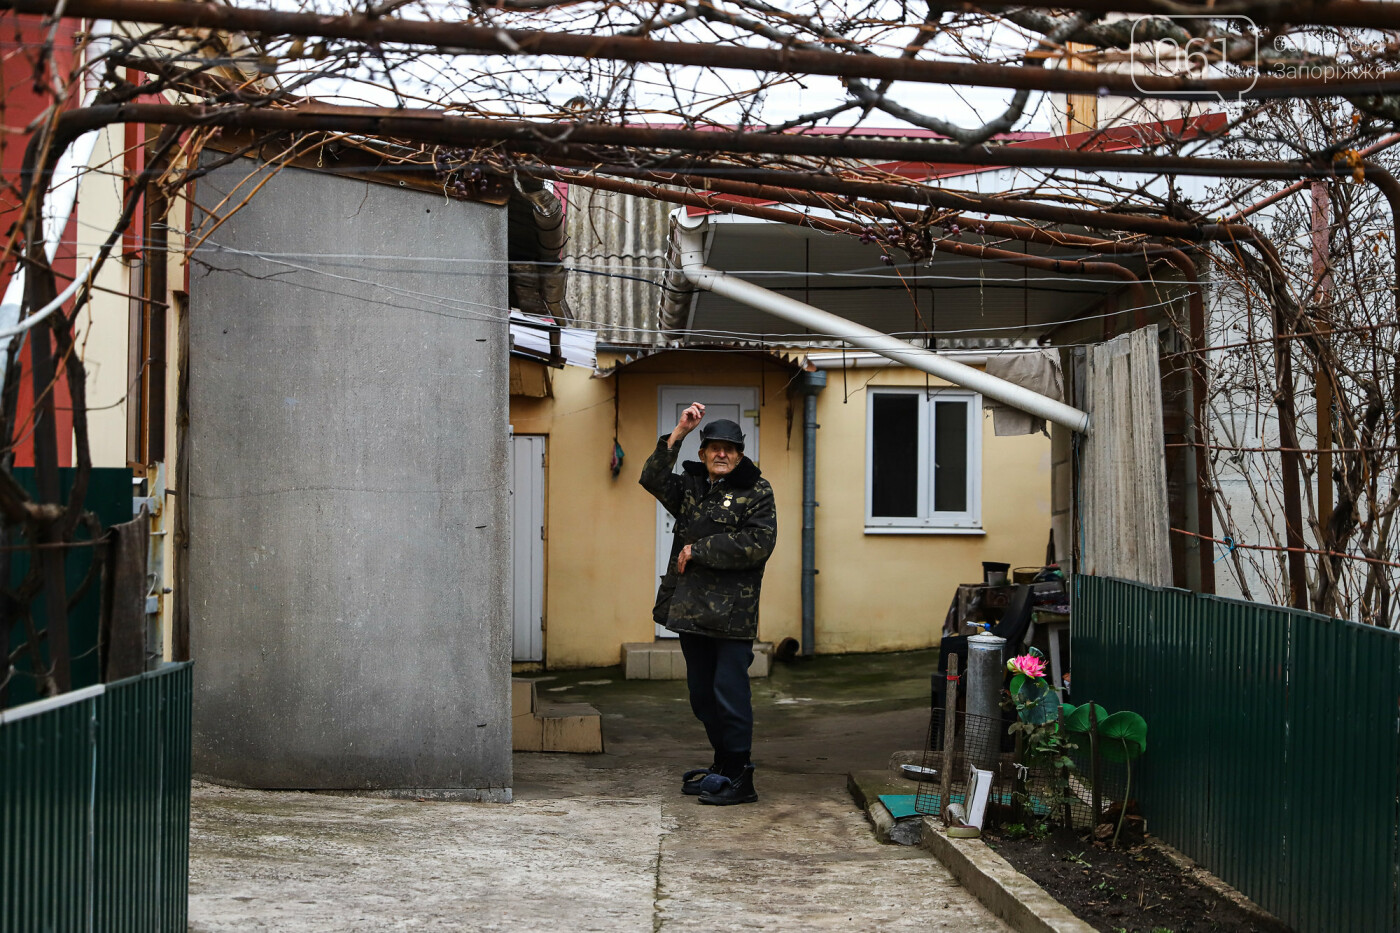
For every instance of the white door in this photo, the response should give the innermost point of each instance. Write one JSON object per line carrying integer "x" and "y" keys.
{"x": 527, "y": 545}
{"x": 736, "y": 404}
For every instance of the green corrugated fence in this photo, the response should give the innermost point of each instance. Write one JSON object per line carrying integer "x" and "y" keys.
{"x": 95, "y": 808}
{"x": 1273, "y": 743}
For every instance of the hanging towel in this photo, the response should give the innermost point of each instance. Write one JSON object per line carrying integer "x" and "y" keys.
{"x": 1037, "y": 370}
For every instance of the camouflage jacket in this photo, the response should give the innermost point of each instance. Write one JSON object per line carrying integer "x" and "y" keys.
{"x": 731, "y": 528}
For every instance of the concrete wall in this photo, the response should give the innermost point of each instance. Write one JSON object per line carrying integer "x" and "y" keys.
{"x": 348, "y": 491}
{"x": 874, "y": 592}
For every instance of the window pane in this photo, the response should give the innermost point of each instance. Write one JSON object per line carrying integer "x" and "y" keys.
{"x": 950, "y": 457}
{"x": 894, "y": 456}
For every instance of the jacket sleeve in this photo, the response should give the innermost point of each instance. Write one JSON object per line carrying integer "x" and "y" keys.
{"x": 658, "y": 478}
{"x": 750, "y": 545}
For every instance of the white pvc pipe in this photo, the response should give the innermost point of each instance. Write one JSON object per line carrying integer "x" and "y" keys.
{"x": 690, "y": 243}
{"x": 49, "y": 308}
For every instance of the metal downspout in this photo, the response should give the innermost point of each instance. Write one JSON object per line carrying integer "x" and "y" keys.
{"x": 690, "y": 247}
{"x": 810, "y": 385}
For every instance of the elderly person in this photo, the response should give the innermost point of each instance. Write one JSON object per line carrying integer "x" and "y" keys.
{"x": 725, "y": 530}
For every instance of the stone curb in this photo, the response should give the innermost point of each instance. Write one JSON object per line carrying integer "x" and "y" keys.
{"x": 1003, "y": 890}
{"x": 881, "y": 819}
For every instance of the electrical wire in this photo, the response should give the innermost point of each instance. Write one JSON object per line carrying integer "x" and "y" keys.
{"x": 449, "y": 303}
{"x": 873, "y": 272}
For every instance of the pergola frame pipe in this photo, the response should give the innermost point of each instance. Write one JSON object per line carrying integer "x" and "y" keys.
{"x": 461, "y": 38}
{"x": 565, "y": 139}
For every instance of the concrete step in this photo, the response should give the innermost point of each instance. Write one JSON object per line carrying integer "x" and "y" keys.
{"x": 554, "y": 727}
{"x": 662, "y": 660}
{"x": 523, "y": 697}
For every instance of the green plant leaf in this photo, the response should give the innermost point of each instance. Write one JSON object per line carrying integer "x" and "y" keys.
{"x": 1077, "y": 718}
{"x": 1126, "y": 733}
{"x": 1039, "y": 704}
{"x": 1017, "y": 682}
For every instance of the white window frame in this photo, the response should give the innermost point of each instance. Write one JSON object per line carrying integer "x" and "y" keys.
{"x": 968, "y": 522}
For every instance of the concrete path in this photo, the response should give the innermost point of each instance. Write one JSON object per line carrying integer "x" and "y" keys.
{"x": 606, "y": 842}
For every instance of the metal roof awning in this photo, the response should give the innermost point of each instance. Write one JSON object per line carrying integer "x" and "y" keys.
{"x": 755, "y": 350}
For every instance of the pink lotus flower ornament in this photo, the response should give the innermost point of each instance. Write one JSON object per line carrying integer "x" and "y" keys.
{"x": 1027, "y": 664}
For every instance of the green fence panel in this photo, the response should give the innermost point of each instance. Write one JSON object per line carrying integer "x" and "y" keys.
{"x": 1273, "y": 743}
{"x": 95, "y": 808}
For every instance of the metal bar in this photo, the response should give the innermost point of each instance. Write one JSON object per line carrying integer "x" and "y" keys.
{"x": 950, "y": 732}
{"x": 465, "y": 39}
{"x": 39, "y": 707}
{"x": 563, "y": 138}
{"x": 809, "y": 385}
{"x": 927, "y": 196}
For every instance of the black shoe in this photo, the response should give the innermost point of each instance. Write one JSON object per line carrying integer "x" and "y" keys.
{"x": 739, "y": 790}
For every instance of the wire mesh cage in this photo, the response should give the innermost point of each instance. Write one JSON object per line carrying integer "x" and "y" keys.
{"x": 1027, "y": 786}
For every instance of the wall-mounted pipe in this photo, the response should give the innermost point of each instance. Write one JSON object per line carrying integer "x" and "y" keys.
{"x": 809, "y": 384}
{"x": 690, "y": 242}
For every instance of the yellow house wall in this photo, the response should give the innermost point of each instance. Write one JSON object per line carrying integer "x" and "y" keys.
{"x": 890, "y": 592}
{"x": 103, "y": 324}
{"x": 874, "y": 592}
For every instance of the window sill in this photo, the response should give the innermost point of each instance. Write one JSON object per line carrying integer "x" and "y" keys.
{"x": 928, "y": 530}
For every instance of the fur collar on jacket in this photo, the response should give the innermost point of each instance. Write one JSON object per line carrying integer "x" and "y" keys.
{"x": 742, "y": 476}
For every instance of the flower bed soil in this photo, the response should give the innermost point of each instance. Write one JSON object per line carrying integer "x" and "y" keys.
{"x": 1126, "y": 890}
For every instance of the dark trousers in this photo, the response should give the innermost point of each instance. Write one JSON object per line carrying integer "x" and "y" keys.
{"x": 717, "y": 671}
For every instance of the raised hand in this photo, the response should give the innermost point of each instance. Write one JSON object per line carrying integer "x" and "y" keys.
{"x": 690, "y": 419}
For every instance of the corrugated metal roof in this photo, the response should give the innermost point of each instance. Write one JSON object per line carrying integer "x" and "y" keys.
{"x": 616, "y": 255}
